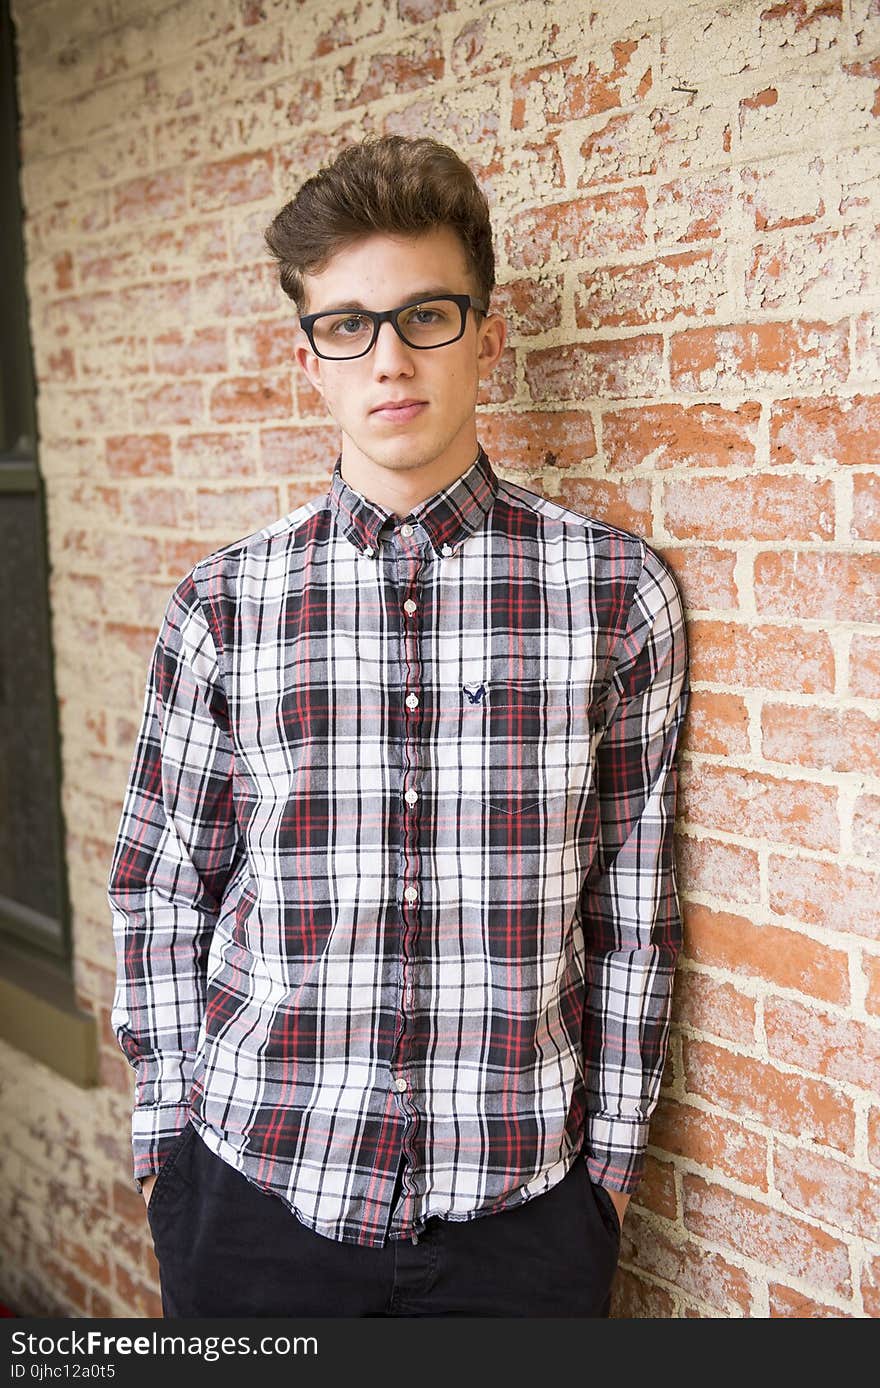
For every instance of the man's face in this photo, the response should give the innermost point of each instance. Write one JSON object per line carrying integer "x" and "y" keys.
{"x": 381, "y": 272}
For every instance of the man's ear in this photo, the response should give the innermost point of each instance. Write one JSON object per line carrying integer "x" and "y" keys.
{"x": 493, "y": 336}
{"x": 307, "y": 361}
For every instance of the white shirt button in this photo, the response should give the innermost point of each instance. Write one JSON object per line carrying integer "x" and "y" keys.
{"x": 369, "y": 551}
{"x": 406, "y": 530}
{"x": 412, "y": 700}
{"x": 410, "y": 606}
{"x": 411, "y": 797}
{"x": 410, "y": 893}
{"x": 400, "y": 1086}
{"x": 447, "y": 549}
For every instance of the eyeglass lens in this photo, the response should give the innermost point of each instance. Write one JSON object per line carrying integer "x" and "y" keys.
{"x": 430, "y": 323}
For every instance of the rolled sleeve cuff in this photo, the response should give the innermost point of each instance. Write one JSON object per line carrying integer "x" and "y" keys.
{"x": 154, "y": 1133}
{"x": 615, "y": 1151}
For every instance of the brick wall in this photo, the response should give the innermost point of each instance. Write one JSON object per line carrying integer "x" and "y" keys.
{"x": 686, "y": 200}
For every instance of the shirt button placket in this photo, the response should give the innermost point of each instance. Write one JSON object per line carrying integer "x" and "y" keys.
{"x": 409, "y": 563}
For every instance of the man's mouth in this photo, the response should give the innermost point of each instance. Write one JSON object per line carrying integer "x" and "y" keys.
{"x": 400, "y": 413}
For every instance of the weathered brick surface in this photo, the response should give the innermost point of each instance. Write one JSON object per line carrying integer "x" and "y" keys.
{"x": 687, "y": 257}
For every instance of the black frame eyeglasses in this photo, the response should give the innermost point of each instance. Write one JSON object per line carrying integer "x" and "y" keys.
{"x": 463, "y": 301}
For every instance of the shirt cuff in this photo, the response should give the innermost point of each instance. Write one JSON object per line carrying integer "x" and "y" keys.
{"x": 154, "y": 1133}
{"x": 615, "y": 1149}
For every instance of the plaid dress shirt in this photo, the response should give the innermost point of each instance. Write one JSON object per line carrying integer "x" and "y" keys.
{"x": 393, "y": 893}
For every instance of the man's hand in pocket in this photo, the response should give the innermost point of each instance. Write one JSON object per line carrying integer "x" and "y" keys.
{"x": 147, "y": 1187}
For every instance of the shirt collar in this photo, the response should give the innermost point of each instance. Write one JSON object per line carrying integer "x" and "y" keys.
{"x": 449, "y": 516}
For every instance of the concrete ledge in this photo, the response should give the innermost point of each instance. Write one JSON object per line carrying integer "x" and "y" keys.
{"x": 39, "y": 1016}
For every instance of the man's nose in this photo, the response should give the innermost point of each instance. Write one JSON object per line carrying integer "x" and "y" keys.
{"x": 389, "y": 348}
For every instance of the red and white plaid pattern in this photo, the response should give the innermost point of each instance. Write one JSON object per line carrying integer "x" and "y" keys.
{"x": 394, "y": 878}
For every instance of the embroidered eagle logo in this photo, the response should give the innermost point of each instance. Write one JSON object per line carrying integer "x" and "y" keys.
{"x": 475, "y": 692}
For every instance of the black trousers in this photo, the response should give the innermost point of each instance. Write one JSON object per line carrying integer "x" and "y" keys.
{"x": 226, "y": 1248}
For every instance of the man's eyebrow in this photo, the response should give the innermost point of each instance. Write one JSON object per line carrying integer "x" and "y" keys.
{"x": 432, "y": 292}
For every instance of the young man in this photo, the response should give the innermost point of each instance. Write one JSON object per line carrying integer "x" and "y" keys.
{"x": 393, "y": 893}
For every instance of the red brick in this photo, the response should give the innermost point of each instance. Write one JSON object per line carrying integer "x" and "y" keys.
{"x": 188, "y": 353}
{"x": 590, "y": 227}
{"x": 753, "y": 1230}
{"x": 240, "y": 292}
{"x": 811, "y": 584}
{"x": 874, "y": 1136}
{"x": 785, "y": 1301}
{"x": 716, "y": 723}
{"x": 866, "y": 359}
{"x": 689, "y": 284}
{"x": 837, "y": 1048}
{"x": 420, "y": 11}
{"x": 635, "y": 1298}
{"x": 805, "y": 583}
{"x": 150, "y": 198}
{"x": 610, "y": 369}
{"x": 694, "y": 207}
{"x": 243, "y": 178}
{"x": 759, "y": 356}
{"x": 720, "y": 869}
{"x": 503, "y": 385}
{"x": 245, "y": 398}
{"x": 624, "y": 504}
{"x": 656, "y": 1190}
{"x": 784, "y": 191}
{"x": 155, "y": 507}
{"x": 138, "y": 1298}
{"x": 528, "y": 305}
{"x": 286, "y": 452}
{"x": 711, "y": 1140}
{"x": 63, "y": 1283}
{"x": 708, "y": 1005}
{"x": 828, "y": 739}
{"x": 244, "y": 509}
{"x": 831, "y": 264}
{"x": 684, "y": 1265}
{"x": 870, "y": 1285}
{"x": 560, "y": 92}
{"x": 621, "y": 150}
{"x": 823, "y": 894}
{"x": 100, "y": 1306}
{"x": 864, "y": 666}
{"x": 750, "y": 508}
{"x": 706, "y": 576}
{"x": 753, "y": 1089}
{"x": 663, "y": 436}
{"x": 532, "y": 440}
{"x": 871, "y": 966}
{"x": 177, "y": 402}
{"x": 759, "y": 806}
{"x": 93, "y": 1264}
{"x": 865, "y": 523}
{"x": 214, "y": 456}
{"x": 761, "y": 657}
{"x": 409, "y": 65}
{"x": 829, "y": 1190}
{"x": 721, "y": 940}
{"x": 261, "y": 345}
{"x": 828, "y": 431}
{"x": 59, "y": 366}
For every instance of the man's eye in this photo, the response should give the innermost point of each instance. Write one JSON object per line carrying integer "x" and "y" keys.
{"x": 358, "y": 323}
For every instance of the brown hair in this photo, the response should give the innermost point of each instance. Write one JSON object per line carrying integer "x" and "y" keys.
{"x": 386, "y": 183}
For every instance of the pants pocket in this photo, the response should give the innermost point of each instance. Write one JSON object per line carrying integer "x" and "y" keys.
{"x": 162, "y": 1181}
{"x": 603, "y": 1202}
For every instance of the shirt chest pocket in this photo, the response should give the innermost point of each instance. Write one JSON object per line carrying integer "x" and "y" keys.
{"x": 516, "y": 749}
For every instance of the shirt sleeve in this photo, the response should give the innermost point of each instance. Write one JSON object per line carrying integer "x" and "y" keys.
{"x": 173, "y": 855}
{"x": 629, "y": 900}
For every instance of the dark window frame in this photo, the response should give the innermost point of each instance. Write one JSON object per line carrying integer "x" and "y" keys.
{"x": 39, "y": 1013}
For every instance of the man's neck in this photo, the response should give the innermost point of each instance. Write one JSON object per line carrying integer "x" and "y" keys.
{"x": 400, "y": 490}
